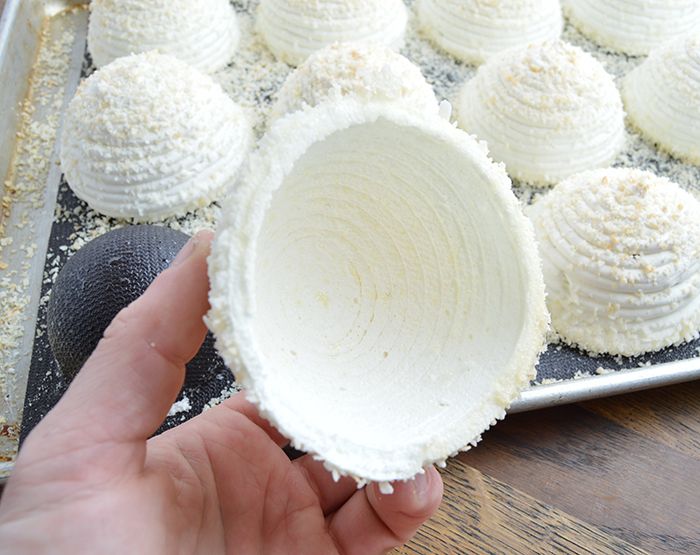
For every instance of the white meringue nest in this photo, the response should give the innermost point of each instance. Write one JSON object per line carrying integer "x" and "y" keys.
{"x": 203, "y": 33}
{"x": 148, "y": 137}
{"x": 293, "y": 29}
{"x": 363, "y": 70}
{"x": 662, "y": 97}
{"x": 547, "y": 111}
{"x": 376, "y": 288}
{"x": 634, "y": 27}
{"x": 474, "y": 30}
{"x": 621, "y": 258}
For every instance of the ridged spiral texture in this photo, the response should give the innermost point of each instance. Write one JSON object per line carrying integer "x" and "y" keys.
{"x": 621, "y": 258}
{"x": 105, "y": 276}
{"x": 148, "y": 137}
{"x": 475, "y": 30}
{"x": 547, "y": 111}
{"x": 376, "y": 288}
{"x": 363, "y": 70}
{"x": 293, "y": 29}
{"x": 203, "y": 33}
{"x": 633, "y": 26}
{"x": 662, "y": 98}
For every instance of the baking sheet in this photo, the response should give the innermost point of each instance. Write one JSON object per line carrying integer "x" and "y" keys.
{"x": 62, "y": 222}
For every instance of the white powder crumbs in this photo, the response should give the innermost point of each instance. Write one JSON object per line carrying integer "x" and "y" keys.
{"x": 602, "y": 371}
{"x": 254, "y": 77}
{"x": 22, "y": 196}
{"x": 225, "y": 394}
{"x": 183, "y": 405}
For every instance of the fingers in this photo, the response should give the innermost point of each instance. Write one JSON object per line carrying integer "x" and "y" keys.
{"x": 372, "y": 523}
{"x": 126, "y": 388}
{"x": 331, "y": 494}
{"x": 240, "y": 404}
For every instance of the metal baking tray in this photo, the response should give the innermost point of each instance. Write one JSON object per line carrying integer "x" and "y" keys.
{"x": 574, "y": 375}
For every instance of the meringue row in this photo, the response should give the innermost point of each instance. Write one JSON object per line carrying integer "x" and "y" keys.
{"x": 363, "y": 70}
{"x": 375, "y": 267}
{"x": 621, "y": 258}
{"x": 293, "y": 29}
{"x": 547, "y": 111}
{"x": 662, "y": 97}
{"x": 474, "y": 30}
{"x": 633, "y": 26}
{"x": 203, "y": 33}
{"x": 148, "y": 137}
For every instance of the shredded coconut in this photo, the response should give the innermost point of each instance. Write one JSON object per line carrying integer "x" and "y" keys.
{"x": 183, "y": 405}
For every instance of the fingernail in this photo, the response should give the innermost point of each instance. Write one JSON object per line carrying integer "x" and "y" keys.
{"x": 421, "y": 484}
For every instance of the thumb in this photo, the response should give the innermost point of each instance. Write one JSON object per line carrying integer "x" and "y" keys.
{"x": 126, "y": 387}
{"x": 371, "y": 523}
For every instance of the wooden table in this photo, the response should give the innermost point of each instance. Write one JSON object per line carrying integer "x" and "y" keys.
{"x": 618, "y": 475}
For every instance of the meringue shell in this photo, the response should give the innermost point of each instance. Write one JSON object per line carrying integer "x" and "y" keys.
{"x": 621, "y": 259}
{"x": 376, "y": 288}
{"x": 634, "y": 27}
{"x": 662, "y": 98}
{"x": 474, "y": 30}
{"x": 363, "y": 70}
{"x": 293, "y": 29}
{"x": 148, "y": 137}
{"x": 203, "y": 33}
{"x": 547, "y": 111}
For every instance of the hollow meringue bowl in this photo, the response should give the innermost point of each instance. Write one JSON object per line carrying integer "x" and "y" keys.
{"x": 547, "y": 111}
{"x": 148, "y": 137}
{"x": 662, "y": 97}
{"x": 621, "y": 258}
{"x": 203, "y": 33}
{"x": 293, "y": 29}
{"x": 474, "y": 30}
{"x": 376, "y": 288}
{"x": 634, "y": 27}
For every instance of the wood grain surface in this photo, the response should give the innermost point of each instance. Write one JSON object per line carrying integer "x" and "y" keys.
{"x": 617, "y": 475}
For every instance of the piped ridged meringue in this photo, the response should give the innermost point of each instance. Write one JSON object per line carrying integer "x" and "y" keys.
{"x": 364, "y": 70}
{"x": 376, "y": 288}
{"x": 293, "y": 29}
{"x": 621, "y": 260}
{"x": 662, "y": 98}
{"x": 203, "y": 33}
{"x": 474, "y": 30}
{"x": 633, "y": 26}
{"x": 149, "y": 136}
{"x": 547, "y": 111}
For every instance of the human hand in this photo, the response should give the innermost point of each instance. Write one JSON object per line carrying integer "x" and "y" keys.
{"x": 88, "y": 479}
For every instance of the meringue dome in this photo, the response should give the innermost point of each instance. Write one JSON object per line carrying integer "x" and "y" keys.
{"x": 662, "y": 97}
{"x": 547, "y": 111}
{"x": 148, "y": 137}
{"x": 376, "y": 288}
{"x": 364, "y": 70}
{"x": 293, "y": 29}
{"x": 633, "y": 26}
{"x": 474, "y": 30}
{"x": 203, "y": 33}
{"x": 621, "y": 259}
